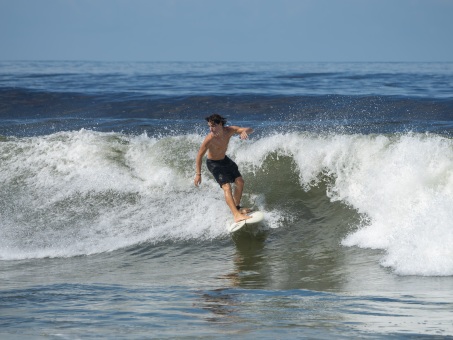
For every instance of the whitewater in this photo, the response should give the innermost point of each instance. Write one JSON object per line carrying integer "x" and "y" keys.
{"x": 85, "y": 192}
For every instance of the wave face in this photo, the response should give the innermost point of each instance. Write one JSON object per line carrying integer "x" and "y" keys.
{"x": 84, "y": 192}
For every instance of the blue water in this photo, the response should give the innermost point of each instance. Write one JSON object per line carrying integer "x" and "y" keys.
{"x": 103, "y": 235}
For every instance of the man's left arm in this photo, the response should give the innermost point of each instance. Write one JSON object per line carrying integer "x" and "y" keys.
{"x": 243, "y": 131}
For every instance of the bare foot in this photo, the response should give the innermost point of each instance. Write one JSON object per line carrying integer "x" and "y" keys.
{"x": 241, "y": 217}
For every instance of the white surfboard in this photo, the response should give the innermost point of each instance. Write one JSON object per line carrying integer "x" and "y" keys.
{"x": 257, "y": 217}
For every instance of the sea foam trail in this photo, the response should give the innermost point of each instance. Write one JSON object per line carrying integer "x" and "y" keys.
{"x": 402, "y": 185}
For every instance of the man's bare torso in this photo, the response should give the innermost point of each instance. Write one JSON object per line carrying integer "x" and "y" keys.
{"x": 218, "y": 144}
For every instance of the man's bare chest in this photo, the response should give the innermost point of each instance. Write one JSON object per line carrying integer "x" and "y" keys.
{"x": 219, "y": 143}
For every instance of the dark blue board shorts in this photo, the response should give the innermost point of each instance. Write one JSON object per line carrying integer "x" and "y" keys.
{"x": 224, "y": 170}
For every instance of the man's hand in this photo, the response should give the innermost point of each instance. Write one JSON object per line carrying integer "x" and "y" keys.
{"x": 244, "y": 135}
{"x": 197, "y": 180}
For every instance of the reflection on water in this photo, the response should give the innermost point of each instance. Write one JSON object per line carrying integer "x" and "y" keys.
{"x": 249, "y": 260}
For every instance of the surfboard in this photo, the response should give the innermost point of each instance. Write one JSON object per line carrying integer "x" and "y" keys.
{"x": 257, "y": 218}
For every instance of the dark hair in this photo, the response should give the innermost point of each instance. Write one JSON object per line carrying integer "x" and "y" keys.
{"x": 216, "y": 119}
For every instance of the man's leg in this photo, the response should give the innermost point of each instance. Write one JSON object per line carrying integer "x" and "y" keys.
{"x": 238, "y": 188}
{"x": 231, "y": 203}
{"x": 237, "y": 195}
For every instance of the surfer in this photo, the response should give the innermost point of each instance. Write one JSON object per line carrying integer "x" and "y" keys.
{"x": 224, "y": 170}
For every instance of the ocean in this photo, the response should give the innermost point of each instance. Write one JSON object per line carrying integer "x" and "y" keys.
{"x": 104, "y": 235}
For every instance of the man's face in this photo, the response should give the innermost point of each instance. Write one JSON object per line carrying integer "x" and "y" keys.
{"x": 215, "y": 128}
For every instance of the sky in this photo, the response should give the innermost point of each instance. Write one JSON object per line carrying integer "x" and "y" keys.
{"x": 227, "y": 30}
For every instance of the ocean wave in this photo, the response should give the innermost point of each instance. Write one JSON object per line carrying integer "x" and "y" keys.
{"x": 30, "y": 113}
{"x": 85, "y": 192}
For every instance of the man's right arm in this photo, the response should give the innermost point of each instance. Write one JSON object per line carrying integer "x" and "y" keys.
{"x": 201, "y": 153}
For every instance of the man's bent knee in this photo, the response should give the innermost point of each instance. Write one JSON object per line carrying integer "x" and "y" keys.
{"x": 239, "y": 181}
{"x": 226, "y": 186}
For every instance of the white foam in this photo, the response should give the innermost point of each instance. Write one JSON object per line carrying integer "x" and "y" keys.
{"x": 85, "y": 192}
{"x": 403, "y": 186}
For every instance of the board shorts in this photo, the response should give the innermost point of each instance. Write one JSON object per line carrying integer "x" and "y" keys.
{"x": 224, "y": 170}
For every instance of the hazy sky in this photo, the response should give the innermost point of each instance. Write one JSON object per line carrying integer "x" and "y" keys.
{"x": 227, "y": 30}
